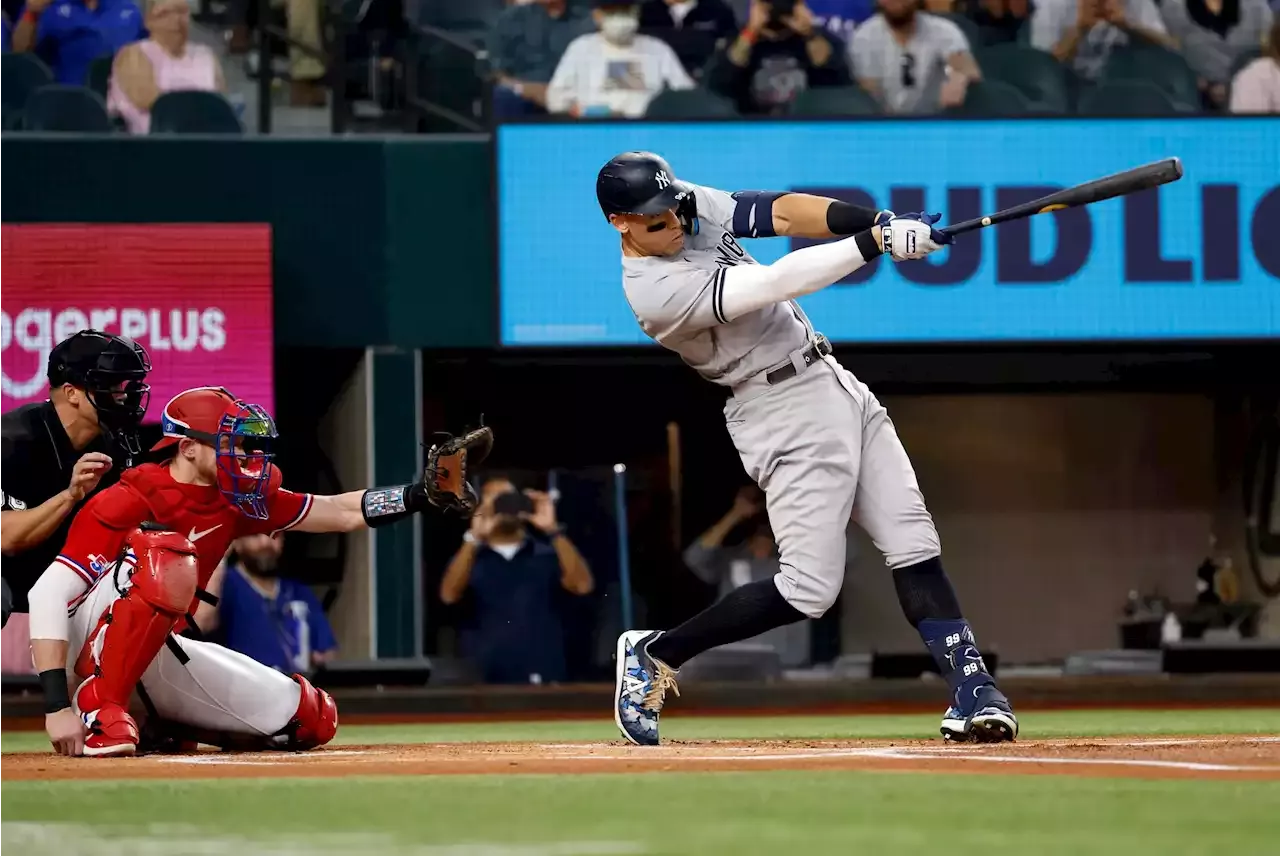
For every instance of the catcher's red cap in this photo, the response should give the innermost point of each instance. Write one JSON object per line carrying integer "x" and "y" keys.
{"x": 200, "y": 409}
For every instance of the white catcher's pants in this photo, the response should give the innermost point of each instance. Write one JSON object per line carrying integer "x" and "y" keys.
{"x": 216, "y": 689}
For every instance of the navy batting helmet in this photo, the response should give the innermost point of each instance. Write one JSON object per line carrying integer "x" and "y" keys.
{"x": 644, "y": 183}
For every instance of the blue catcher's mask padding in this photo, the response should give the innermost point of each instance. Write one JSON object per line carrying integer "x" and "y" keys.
{"x": 245, "y": 448}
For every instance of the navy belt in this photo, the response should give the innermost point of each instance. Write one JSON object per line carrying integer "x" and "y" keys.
{"x": 819, "y": 348}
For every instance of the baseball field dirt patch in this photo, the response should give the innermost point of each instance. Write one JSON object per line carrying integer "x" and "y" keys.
{"x": 1216, "y": 757}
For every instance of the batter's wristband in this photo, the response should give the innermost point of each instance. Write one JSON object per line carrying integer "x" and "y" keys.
{"x": 867, "y": 245}
{"x": 54, "y": 684}
{"x": 846, "y": 219}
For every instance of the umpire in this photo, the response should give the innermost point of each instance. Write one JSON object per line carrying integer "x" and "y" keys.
{"x": 58, "y": 452}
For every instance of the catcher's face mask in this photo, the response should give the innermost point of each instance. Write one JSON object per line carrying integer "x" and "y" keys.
{"x": 244, "y": 446}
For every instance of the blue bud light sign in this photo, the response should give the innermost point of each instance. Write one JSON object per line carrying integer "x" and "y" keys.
{"x": 1193, "y": 260}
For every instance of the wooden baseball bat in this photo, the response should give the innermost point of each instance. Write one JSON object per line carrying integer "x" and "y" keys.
{"x": 1122, "y": 183}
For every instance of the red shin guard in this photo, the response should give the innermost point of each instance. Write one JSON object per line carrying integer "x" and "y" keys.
{"x": 131, "y": 632}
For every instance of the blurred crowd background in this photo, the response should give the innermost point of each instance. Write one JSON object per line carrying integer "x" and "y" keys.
{"x": 309, "y": 66}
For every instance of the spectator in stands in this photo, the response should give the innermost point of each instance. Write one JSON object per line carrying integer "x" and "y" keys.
{"x": 515, "y": 580}
{"x": 1213, "y": 34}
{"x": 912, "y": 61}
{"x": 999, "y": 21}
{"x": 166, "y": 62}
{"x": 780, "y": 53}
{"x": 756, "y": 558}
{"x": 617, "y": 71}
{"x": 277, "y": 621}
{"x": 525, "y": 46}
{"x": 1256, "y": 89}
{"x": 1082, "y": 33}
{"x": 70, "y": 34}
{"x": 695, "y": 29}
{"x": 306, "y": 72}
{"x": 302, "y": 24}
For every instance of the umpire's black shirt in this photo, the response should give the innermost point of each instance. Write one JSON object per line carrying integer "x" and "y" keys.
{"x": 37, "y": 462}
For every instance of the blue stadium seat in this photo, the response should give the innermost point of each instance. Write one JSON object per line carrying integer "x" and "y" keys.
{"x": 1128, "y": 98}
{"x": 690, "y": 104}
{"x": 59, "y": 107}
{"x": 22, "y": 74}
{"x": 1167, "y": 70}
{"x": 194, "y": 112}
{"x": 992, "y": 98}
{"x": 1034, "y": 73}
{"x": 834, "y": 101}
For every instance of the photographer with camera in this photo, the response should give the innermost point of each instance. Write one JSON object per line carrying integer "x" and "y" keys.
{"x": 515, "y": 578}
{"x": 779, "y": 53}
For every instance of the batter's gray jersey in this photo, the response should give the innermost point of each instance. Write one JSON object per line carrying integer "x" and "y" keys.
{"x": 818, "y": 443}
{"x": 678, "y": 300}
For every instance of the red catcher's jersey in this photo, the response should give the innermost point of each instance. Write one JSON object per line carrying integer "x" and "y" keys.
{"x": 201, "y": 513}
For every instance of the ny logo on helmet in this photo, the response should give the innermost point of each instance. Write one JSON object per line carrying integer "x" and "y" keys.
{"x": 661, "y": 177}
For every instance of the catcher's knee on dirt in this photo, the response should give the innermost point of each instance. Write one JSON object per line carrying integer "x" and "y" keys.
{"x": 316, "y": 720}
{"x": 163, "y": 572}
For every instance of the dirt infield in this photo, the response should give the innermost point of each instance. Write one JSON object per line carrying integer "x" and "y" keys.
{"x": 1232, "y": 758}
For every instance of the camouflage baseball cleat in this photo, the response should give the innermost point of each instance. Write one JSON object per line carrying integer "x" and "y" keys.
{"x": 641, "y": 687}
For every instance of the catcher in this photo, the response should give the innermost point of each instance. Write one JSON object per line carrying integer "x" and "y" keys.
{"x": 106, "y": 613}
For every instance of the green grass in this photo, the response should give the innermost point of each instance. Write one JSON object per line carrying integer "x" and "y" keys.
{"x": 709, "y": 813}
{"x": 775, "y": 813}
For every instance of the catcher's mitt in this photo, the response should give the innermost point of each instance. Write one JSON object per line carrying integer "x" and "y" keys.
{"x": 446, "y": 474}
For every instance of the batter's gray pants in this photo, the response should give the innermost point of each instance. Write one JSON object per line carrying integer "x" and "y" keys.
{"x": 822, "y": 448}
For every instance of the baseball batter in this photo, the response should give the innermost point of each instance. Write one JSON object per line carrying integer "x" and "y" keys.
{"x": 132, "y": 570}
{"x": 809, "y": 433}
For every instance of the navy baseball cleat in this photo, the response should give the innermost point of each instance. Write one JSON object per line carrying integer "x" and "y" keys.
{"x": 991, "y": 721}
{"x": 641, "y": 687}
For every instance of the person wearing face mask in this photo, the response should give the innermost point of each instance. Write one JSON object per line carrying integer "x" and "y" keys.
{"x": 515, "y": 581}
{"x": 616, "y": 71}
{"x": 274, "y": 620}
{"x": 779, "y": 53}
